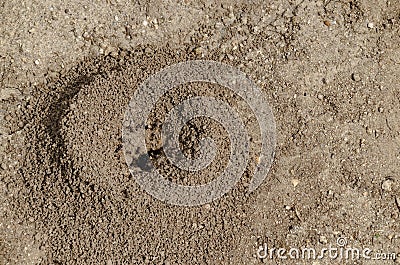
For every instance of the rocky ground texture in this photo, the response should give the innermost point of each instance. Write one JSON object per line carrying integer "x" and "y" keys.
{"x": 329, "y": 69}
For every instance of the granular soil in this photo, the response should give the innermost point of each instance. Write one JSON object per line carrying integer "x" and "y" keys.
{"x": 328, "y": 69}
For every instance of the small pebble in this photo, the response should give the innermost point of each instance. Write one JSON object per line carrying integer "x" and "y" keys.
{"x": 199, "y": 50}
{"x": 356, "y": 77}
{"x": 37, "y": 62}
{"x": 86, "y": 35}
{"x": 323, "y": 240}
{"x": 387, "y": 185}
{"x": 370, "y": 25}
{"x": 295, "y": 182}
{"x": 320, "y": 96}
{"x": 145, "y": 23}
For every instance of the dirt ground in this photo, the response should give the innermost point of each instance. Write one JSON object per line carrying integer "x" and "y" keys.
{"x": 329, "y": 70}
